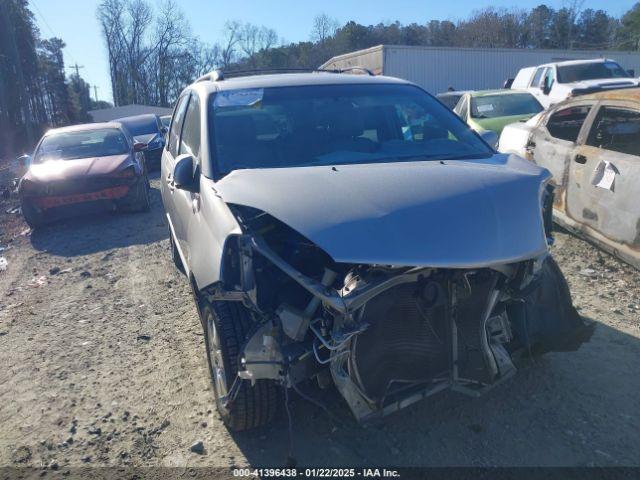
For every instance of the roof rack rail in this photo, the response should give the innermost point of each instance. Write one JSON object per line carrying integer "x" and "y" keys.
{"x": 262, "y": 71}
{"x": 219, "y": 75}
{"x": 349, "y": 69}
{"x": 213, "y": 76}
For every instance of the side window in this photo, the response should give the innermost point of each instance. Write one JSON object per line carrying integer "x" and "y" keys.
{"x": 549, "y": 78}
{"x": 565, "y": 124}
{"x": 190, "y": 140}
{"x": 176, "y": 125}
{"x": 537, "y": 77}
{"x": 616, "y": 129}
{"x": 464, "y": 109}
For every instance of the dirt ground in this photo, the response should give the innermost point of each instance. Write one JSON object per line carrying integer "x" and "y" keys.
{"x": 103, "y": 364}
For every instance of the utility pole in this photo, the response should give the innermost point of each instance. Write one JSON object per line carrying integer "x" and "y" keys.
{"x": 77, "y": 68}
{"x": 95, "y": 91}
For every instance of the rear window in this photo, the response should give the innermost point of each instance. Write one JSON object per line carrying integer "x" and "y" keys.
{"x": 82, "y": 144}
{"x": 450, "y": 100}
{"x": 140, "y": 126}
{"x": 590, "y": 71}
{"x": 507, "y": 105}
{"x": 332, "y": 125}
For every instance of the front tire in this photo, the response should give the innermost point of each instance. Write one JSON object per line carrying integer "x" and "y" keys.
{"x": 552, "y": 321}
{"x": 226, "y": 327}
{"x": 175, "y": 254}
{"x": 138, "y": 199}
{"x": 33, "y": 218}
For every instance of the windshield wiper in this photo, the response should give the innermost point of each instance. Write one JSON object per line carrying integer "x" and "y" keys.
{"x": 467, "y": 156}
{"x": 453, "y": 156}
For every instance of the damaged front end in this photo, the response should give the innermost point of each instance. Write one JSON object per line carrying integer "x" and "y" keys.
{"x": 386, "y": 335}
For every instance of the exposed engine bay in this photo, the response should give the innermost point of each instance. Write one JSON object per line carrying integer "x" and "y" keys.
{"x": 386, "y": 335}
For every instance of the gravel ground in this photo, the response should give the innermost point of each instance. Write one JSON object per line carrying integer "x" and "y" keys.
{"x": 103, "y": 364}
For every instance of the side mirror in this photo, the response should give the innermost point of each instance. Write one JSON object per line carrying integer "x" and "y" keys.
{"x": 139, "y": 147}
{"x": 183, "y": 175}
{"x": 164, "y": 130}
{"x": 490, "y": 137}
{"x": 24, "y": 160}
{"x": 631, "y": 72}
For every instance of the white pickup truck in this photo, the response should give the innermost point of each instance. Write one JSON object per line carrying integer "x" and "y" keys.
{"x": 554, "y": 82}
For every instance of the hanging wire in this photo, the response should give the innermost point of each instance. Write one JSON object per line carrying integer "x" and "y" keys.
{"x": 317, "y": 403}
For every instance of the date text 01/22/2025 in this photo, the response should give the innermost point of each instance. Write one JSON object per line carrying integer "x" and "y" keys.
{"x": 316, "y": 472}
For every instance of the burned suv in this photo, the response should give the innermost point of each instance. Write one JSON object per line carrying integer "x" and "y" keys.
{"x": 350, "y": 228}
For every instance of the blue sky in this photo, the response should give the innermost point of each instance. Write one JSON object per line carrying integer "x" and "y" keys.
{"x": 75, "y": 20}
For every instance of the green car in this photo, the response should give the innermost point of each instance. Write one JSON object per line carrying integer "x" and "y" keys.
{"x": 494, "y": 109}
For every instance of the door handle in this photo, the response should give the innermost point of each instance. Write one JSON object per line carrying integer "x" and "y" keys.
{"x": 581, "y": 159}
{"x": 170, "y": 183}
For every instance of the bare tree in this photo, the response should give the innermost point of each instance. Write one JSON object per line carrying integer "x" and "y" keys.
{"x": 232, "y": 36}
{"x": 574, "y": 7}
{"x": 249, "y": 39}
{"x": 268, "y": 38}
{"x": 153, "y": 55}
{"x": 253, "y": 39}
{"x": 110, "y": 16}
{"x": 324, "y": 27}
{"x": 493, "y": 28}
{"x": 172, "y": 34}
{"x": 140, "y": 17}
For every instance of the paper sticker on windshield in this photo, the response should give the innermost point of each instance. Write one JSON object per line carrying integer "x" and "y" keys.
{"x": 485, "y": 108}
{"x": 250, "y": 97}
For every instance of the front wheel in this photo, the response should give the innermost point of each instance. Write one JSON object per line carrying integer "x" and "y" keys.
{"x": 175, "y": 254}
{"x": 226, "y": 327}
{"x": 33, "y": 217}
{"x": 138, "y": 198}
{"x": 551, "y": 322}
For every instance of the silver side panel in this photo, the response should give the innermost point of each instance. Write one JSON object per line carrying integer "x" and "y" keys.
{"x": 207, "y": 232}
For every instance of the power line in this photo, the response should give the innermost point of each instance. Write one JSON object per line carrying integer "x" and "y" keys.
{"x": 44, "y": 20}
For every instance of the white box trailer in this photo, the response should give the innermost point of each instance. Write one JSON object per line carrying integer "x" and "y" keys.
{"x": 437, "y": 68}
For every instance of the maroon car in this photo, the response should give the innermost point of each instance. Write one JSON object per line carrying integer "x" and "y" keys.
{"x": 81, "y": 169}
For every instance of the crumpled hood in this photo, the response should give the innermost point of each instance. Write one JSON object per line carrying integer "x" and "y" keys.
{"x": 456, "y": 213}
{"x": 56, "y": 170}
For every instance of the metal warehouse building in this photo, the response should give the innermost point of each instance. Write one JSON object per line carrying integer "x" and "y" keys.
{"x": 108, "y": 114}
{"x": 437, "y": 68}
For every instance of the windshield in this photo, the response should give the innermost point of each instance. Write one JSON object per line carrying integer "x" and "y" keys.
{"x": 82, "y": 144}
{"x": 333, "y": 125}
{"x": 140, "y": 126}
{"x": 590, "y": 71}
{"x": 506, "y": 105}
